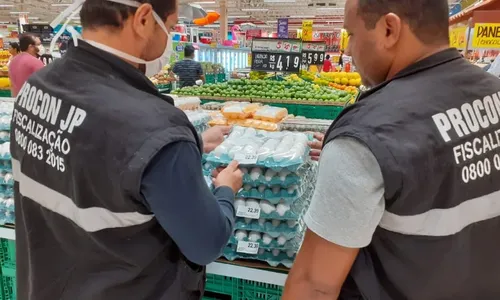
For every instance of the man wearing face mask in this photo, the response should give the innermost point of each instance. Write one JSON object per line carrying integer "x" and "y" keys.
{"x": 25, "y": 64}
{"x": 110, "y": 198}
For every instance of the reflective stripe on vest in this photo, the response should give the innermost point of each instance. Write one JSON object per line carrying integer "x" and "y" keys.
{"x": 445, "y": 222}
{"x": 90, "y": 219}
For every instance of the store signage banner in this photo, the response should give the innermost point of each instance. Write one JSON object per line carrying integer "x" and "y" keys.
{"x": 307, "y": 30}
{"x": 283, "y": 28}
{"x": 486, "y": 36}
{"x": 253, "y": 33}
{"x": 458, "y": 37}
{"x": 332, "y": 40}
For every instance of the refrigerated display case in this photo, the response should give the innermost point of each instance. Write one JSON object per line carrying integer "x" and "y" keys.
{"x": 230, "y": 58}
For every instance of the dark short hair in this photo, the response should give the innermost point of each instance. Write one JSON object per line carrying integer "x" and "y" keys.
{"x": 428, "y": 19}
{"x": 328, "y": 56}
{"x": 189, "y": 51}
{"x": 99, "y": 13}
{"x": 26, "y": 40}
{"x": 15, "y": 46}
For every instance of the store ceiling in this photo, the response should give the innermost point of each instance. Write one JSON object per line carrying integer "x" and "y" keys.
{"x": 258, "y": 11}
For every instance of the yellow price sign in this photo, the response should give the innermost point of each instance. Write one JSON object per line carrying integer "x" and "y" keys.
{"x": 486, "y": 36}
{"x": 307, "y": 30}
{"x": 458, "y": 37}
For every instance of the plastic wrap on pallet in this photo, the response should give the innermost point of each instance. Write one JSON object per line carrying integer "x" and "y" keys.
{"x": 274, "y": 228}
{"x": 187, "y": 103}
{"x": 199, "y": 119}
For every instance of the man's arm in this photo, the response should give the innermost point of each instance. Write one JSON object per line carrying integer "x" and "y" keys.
{"x": 199, "y": 221}
{"x": 199, "y": 71}
{"x": 346, "y": 208}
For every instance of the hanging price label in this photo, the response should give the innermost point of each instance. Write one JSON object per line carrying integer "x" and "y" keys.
{"x": 247, "y": 247}
{"x": 248, "y": 212}
{"x": 246, "y": 159}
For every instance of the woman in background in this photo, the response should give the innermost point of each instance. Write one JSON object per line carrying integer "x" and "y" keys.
{"x": 14, "y": 50}
{"x": 327, "y": 65}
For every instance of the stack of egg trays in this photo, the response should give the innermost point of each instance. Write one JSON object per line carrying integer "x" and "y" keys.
{"x": 6, "y": 177}
{"x": 279, "y": 235}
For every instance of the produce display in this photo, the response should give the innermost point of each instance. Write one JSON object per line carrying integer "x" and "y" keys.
{"x": 211, "y": 68}
{"x": 278, "y": 183}
{"x": 6, "y": 178}
{"x": 4, "y": 59}
{"x": 268, "y": 89}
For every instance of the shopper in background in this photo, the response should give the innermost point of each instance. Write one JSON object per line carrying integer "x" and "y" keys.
{"x": 25, "y": 64}
{"x": 14, "y": 50}
{"x": 341, "y": 59}
{"x": 406, "y": 204}
{"x": 188, "y": 70}
{"x": 111, "y": 202}
{"x": 327, "y": 65}
{"x": 494, "y": 68}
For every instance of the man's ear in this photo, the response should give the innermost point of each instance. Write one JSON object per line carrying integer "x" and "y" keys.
{"x": 393, "y": 26}
{"x": 143, "y": 21}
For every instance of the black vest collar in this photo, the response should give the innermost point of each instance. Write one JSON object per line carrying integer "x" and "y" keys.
{"x": 114, "y": 66}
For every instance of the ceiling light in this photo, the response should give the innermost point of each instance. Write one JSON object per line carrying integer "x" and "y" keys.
{"x": 204, "y": 2}
{"x": 279, "y": 1}
{"x": 300, "y": 17}
{"x": 254, "y": 9}
{"x": 238, "y": 16}
{"x": 330, "y": 8}
{"x": 271, "y": 22}
{"x": 6, "y": 5}
{"x": 61, "y": 4}
{"x": 19, "y": 12}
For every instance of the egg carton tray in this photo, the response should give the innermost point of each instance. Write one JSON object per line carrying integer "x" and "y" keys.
{"x": 268, "y": 177}
{"x": 281, "y": 258}
{"x": 275, "y": 228}
{"x": 283, "y": 195}
{"x": 5, "y": 156}
{"x": 290, "y": 244}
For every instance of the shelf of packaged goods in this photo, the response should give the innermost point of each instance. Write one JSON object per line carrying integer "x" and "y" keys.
{"x": 216, "y": 268}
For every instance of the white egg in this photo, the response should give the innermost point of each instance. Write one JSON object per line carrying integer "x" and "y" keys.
{"x": 254, "y": 236}
{"x": 241, "y": 235}
{"x": 283, "y": 174}
{"x": 262, "y": 251}
{"x": 244, "y": 170}
{"x": 282, "y": 208}
{"x": 270, "y": 174}
{"x": 247, "y": 187}
{"x": 267, "y": 239}
{"x": 290, "y": 253}
{"x": 281, "y": 240}
{"x": 262, "y": 188}
{"x": 291, "y": 189}
{"x": 276, "y": 252}
{"x": 255, "y": 173}
{"x": 8, "y": 177}
{"x": 262, "y": 222}
{"x": 220, "y": 150}
{"x": 267, "y": 207}
{"x": 234, "y": 150}
{"x": 276, "y": 223}
{"x": 248, "y": 221}
{"x": 291, "y": 223}
{"x": 253, "y": 203}
{"x": 239, "y": 202}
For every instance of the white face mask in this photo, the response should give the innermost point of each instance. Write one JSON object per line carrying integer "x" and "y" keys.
{"x": 41, "y": 50}
{"x": 152, "y": 67}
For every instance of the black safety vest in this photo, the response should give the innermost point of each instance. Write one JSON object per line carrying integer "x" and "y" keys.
{"x": 435, "y": 132}
{"x": 84, "y": 129}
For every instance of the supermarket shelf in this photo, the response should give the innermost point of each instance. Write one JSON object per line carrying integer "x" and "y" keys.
{"x": 216, "y": 268}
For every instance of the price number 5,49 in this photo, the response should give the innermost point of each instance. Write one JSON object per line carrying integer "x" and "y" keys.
{"x": 286, "y": 63}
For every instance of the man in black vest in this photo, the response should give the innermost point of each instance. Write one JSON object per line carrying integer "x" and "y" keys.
{"x": 111, "y": 202}
{"x": 407, "y": 203}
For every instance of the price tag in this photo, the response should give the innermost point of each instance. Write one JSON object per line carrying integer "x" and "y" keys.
{"x": 248, "y": 212}
{"x": 246, "y": 159}
{"x": 313, "y": 53}
{"x": 247, "y": 247}
{"x": 276, "y": 55}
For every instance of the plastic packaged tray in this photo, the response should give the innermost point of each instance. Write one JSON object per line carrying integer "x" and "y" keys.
{"x": 274, "y": 228}
{"x": 274, "y": 257}
{"x": 251, "y": 147}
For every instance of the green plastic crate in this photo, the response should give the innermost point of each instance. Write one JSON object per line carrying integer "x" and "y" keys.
{"x": 239, "y": 289}
{"x": 9, "y": 282}
{"x": 221, "y": 77}
{"x": 319, "y": 111}
{"x": 209, "y": 78}
{"x": 7, "y": 252}
{"x": 5, "y": 93}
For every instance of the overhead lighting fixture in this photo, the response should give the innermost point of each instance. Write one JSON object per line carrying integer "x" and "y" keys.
{"x": 330, "y": 8}
{"x": 6, "y": 5}
{"x": 300, "y": 17}
{"x": 238, "y": 16}
{"x": 271, "y": 22}
{"x": 204, "y": 2}
{"x": 279, "y": 1}
{"x": 19, "y": 12}
{"x": 254, "y": 9}
{"x": 61, "y": 4}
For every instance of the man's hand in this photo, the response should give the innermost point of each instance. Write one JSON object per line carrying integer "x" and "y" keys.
{"x": 316, "y": 146}
{"x": 231, "y": 177}
{"x": 319, "y": 271}
{"x": 213, "y": 137}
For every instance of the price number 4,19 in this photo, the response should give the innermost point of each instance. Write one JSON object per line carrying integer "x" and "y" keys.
{"x": 287, "y": 61}
{"x": 247, "y": 247}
